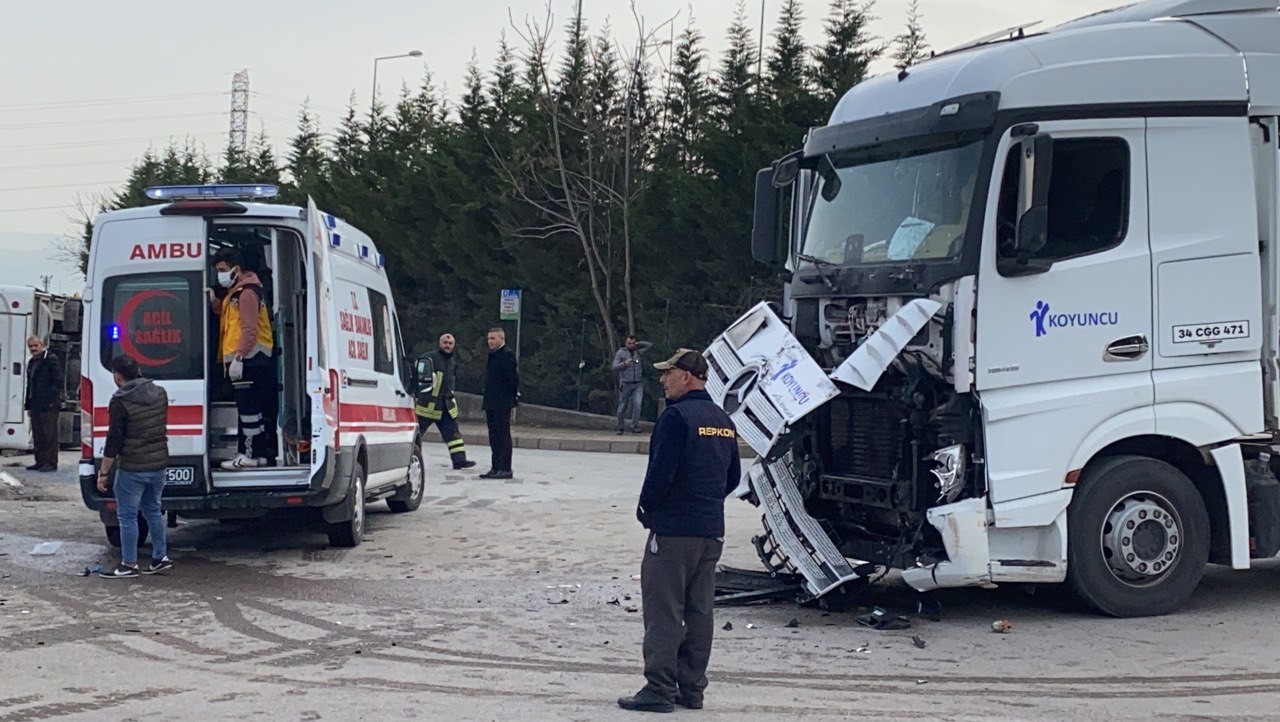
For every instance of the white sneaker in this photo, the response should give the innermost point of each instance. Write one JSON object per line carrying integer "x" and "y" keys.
{"x": 240, "y": 462}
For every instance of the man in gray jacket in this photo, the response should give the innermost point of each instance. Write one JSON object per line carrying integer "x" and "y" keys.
{"x": 137, "y": 450}
{"x": 626, "y": 366}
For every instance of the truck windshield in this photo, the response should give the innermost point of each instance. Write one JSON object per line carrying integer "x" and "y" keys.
{"x": 905, "y": 206}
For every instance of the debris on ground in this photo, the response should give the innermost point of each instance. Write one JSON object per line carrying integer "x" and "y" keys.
{"x": 1000, "y": 626}
{"x": 632, "y": 610}
{"x": 728, "y": 626}
{"x": 880, "y": 619}
{"x": 88, "y": 571}
{"x": 751, "y": 626}
{"x": 10, "y": 480}
{"x": 46, "y": 549}
{"x": 614, "y": 601}
{"x": 743, "y": 586}
{"x": 916, "y": 640}
{"x": 793, "y": 623}
{"x": 562, "y": 601}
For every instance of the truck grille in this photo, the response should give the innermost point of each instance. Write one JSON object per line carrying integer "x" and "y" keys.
{"x": 867, "y": 435}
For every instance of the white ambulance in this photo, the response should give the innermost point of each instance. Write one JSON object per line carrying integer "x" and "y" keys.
{"x": 346, "y": 433}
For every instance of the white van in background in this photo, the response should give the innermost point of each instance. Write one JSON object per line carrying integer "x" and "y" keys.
{"x": 345, "y": 425}
{"x": 24, "y": 312}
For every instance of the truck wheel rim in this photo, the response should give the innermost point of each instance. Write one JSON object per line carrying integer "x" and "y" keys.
{"x": 1141, "y": 538}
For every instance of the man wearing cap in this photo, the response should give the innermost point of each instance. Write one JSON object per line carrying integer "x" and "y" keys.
{"x": 693, "y": 466}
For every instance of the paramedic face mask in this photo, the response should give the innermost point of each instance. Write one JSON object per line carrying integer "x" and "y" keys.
{"x": 226, "y": 275}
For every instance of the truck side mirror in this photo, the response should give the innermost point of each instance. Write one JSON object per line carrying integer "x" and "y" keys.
{"x": 765, "y": 246}
{"x": 1033, "y": 194}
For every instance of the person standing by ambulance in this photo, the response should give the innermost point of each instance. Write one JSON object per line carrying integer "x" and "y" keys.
{"x": 693, "y": 466}
{"x": 245, "y": 346}
{"x": 435, "y": 403}
{"x": 44, "y": 403}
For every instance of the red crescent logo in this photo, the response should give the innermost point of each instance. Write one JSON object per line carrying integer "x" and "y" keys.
{"x": 126, "y": 313}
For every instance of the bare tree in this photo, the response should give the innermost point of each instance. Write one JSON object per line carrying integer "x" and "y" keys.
{"x": 72, "y": 249}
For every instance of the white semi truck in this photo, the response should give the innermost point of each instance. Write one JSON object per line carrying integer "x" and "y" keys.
{"x": 1032, "y": 314}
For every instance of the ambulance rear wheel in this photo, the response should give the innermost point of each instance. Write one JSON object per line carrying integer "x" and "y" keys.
{"x": 349, "y": 533}
{"x": 113, "y": 533}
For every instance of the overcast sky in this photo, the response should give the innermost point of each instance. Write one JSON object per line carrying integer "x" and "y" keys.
{"x": 88, "y": 85}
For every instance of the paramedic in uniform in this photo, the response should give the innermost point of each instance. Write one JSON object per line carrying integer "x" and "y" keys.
{"x": 435, "y": 403}
{"x": 245, "y": 346}
{"x": 693, "y": 466}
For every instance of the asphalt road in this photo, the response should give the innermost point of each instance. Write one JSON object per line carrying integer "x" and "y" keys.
{"x": 493, "y": 602}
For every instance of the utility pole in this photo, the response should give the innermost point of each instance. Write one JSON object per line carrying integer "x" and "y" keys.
{"x": 760, "y": 49}
{"x": 239, "y": 137}
{"x": 45, "y": 280}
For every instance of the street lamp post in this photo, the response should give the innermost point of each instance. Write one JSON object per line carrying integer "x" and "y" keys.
{"x": 373, "y": 96}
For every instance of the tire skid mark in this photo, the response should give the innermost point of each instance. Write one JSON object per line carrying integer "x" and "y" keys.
{"x": 16, "y": 701}
{"x": 98, "y": 703}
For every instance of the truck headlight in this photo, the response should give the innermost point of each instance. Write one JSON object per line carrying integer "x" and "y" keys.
{"x": 949, "y": 471}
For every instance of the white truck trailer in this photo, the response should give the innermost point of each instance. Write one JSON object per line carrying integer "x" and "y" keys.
{"x": 24, "y": 312}
{"x": 1033, "y": 296}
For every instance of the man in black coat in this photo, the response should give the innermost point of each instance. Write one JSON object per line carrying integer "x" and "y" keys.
{"x": 44, "y": 403}
{"x": 501, "y": 392}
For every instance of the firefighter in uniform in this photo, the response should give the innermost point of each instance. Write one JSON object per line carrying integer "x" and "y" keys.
{"x": 435, "y": 403}
{"x": 693, "y": 466}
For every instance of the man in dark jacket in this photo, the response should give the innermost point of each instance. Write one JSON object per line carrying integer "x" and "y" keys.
{"x": 44, "y": 403}
{"x": 137, "y": 450}
{"x": 501, "y": 393}
{"x": 435, "y": 404}
{"x": 693, "y": 466}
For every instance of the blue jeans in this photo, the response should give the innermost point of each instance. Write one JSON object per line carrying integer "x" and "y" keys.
{"x": 134, "y": 490}
{"x": 632, "y": 394}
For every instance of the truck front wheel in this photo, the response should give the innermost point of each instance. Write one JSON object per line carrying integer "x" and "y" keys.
{"x": 1138, "y": 537}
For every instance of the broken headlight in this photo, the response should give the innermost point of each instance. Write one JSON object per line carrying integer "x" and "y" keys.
{"x": 949, "y": 471}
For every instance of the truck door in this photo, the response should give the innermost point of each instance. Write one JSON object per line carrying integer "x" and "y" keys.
{"x": 1066, "y": 350}
{"x": 321, "y": 378}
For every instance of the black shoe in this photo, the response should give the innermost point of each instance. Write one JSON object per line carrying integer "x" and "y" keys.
{"x": 159, "y": 566}
{"x": 646, "y": 700}
{"x": 120, "y": 572}
{"x": 495, "y": 474}
{"x": 619, "y": 432}
{"x": 47, "y": 467}
{"x": 464, "y": 465}
{"x": 36, "y": 467}
{"x": 689, "y": 701}
{"x": 635, "y": 430}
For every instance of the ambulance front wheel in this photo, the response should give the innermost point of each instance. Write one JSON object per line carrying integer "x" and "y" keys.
{"x": 349, "y": 533}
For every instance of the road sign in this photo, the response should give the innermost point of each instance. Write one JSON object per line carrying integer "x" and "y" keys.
{"x": 509, "y": 305}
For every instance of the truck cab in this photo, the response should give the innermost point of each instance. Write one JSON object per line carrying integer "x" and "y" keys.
{"x": 342, "y": 413}
{"x": 1041, "y": 271}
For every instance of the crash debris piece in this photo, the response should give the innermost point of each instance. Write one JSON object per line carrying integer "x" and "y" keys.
{"x": 1000, "y": 626}
{"x": 916, "y": 640}
{"x": 45, "y": 549}
{"x": 793, "y": 623}
{"x": 728, "y": 626}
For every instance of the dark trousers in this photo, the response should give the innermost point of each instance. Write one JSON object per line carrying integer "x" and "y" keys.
{"x": 499, "y": 421}
{"x": 257, "y": 406}
{"x": 678, "y": 592}
{"x": 450, "y": 434}
{"x": 44, "y": 437}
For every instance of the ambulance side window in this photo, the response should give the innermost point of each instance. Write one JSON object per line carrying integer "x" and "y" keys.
{"x": 383, "y": 345}
{"x": 157, "y": 319}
